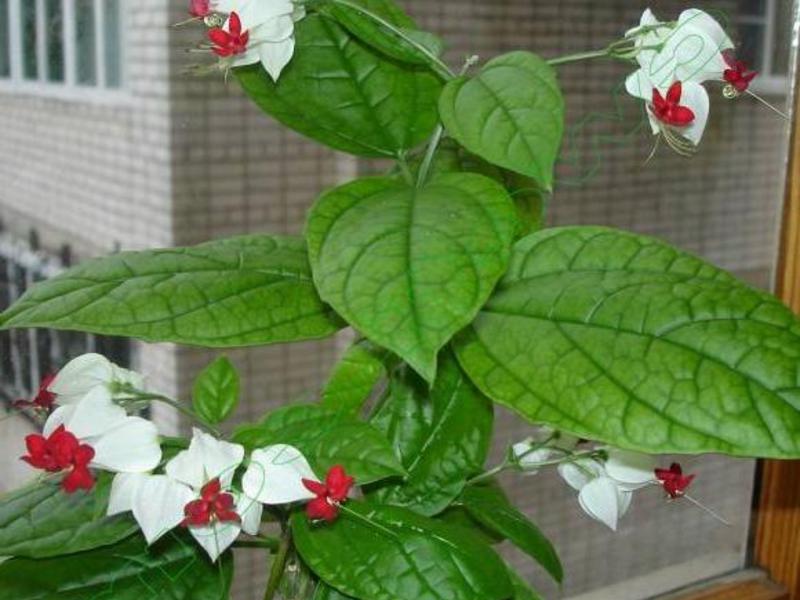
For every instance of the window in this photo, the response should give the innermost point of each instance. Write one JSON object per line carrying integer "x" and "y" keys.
{"x": 63, "y": 44}
{"x": 765, "y": 42}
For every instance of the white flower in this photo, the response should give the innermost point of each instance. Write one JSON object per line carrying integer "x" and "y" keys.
{"x": 605, "y": 490}
{"x": 688, "y": 52}
{"x": 275, "y": 475}
{"x": 121, "y": 443}
{"x": 546, "y": 444}
{"x": 270, "y": 28}
{"x": 85, "y": 373}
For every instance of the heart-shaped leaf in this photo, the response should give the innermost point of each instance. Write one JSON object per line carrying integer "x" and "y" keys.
{"x": 442, "y": 436}
{"x": 243, "y": 291}
{"x": 624, "y": 339}
{"x": 410, "y": 267}
{"x": 391, "y": 553}
{"x": 511, "y": 113}
{"x": 346, "y": 95}
{"x": 41, "y": 520}
{"x": 216, "y": 391}
{"x": 326, "y": 438}
{"x": 174, "y": 568}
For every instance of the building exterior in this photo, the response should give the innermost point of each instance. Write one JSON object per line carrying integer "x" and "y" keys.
{"x": 107, "y": 144}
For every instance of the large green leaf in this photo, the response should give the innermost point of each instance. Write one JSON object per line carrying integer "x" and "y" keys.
{"x": 390, "y": 553}
{"x": 511, "y": 113}
{"x": 490, "y": 506}
{"x": 355, "y": 376}
{"x": 326, "y": 438}
{"x": 442, "y": 436}
{"x": 243, "y": 291}
{"x": 175, "y": 568}
{"x": 410, "y": 267}
{"x": 215, "y": 393}
{"x": 41, "y": 520}
{"x": 343, "y": 94}
{"x": 624, "y": 339}
{"x": 384, "y": 26}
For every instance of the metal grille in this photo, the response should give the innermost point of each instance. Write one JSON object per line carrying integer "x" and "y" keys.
{"x": 26, "y": 355}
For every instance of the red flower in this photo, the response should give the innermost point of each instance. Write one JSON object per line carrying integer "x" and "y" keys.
{"x": 669, "y": 110}
{"x": 60, "y": 452}
{"x": 44, "y": 399}
{"x": 199, "y": 8}
{"x": 673, "y": 480}
{"x": 212, "y": 506}
{"x": 737, "y": 74}
{"x": 232, "y": 42}
{"x": 329, "y": 495}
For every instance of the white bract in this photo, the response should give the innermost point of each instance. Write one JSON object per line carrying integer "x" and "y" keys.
{"x": 689, "y": 51}
{"x": 270, "y": 24}
{"x": 83, "y": 374}
{"x": 121, "y": 443}
{"x": 544, "y": 445}
{"x": 198, "y": 478}
{"x": 605, "y": 490}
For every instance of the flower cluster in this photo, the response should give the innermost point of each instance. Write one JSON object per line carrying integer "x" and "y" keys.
{"x": 675, "y": 59}
{"x": 605, "y": 478}
{"x": 246, "y": 32}
{"x": 91, "y": 430}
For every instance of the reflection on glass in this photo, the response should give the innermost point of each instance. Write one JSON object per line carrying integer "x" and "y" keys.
{"x": 782, "y": 48}
{"x": 30, "y": 66}
{"x": 751, "y": 50}
{"x": 55, "y": 40}
{"x": 112, "y": 44}
{"x": 5, "y": 51}
{"x": 85, "y": 42}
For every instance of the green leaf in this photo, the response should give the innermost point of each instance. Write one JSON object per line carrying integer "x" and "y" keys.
{"x": 511, "y": 114}
{"x": 391, "y": 553}
{"x": 624, "y": 339}
{"x": 326, "y": 438}
{"x": 385, "y": 27}
{"x": 216, "y": 391}
{"x": 522, "y": 591}
{"x": 355, "y": 376}
{"x": 442, "y": 437}
{"x": 244, "y": 291}
{"x": 40, "y": 520}
{"x": 343, "y": 94}
{"x": 410, "y": 267}
{"x": 490, "y": 506}
{"x": 326, "y": 592}
{"x": 174, "y": 569}
{"x": 457, "y": 516}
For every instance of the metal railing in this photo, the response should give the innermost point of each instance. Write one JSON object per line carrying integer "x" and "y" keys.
{"x": 28, "y": 355}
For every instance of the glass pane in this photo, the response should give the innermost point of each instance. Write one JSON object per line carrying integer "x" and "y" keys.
{"x": 112, "y": 44}
{"x": 5, "y": 51}
{"x": 55, "y": 40}
{"x": 752, "y": 7}
{"x": 85, "y": 42}
{"x": 30, "y": 66}
{"x": 751, "y": 44}
{"x": 781, "y": 49}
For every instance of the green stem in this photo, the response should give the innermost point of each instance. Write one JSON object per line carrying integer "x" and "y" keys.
{"x": 177, "y": 406}
{"x": 264, "y": 542}
{"x": 436, "y": 63}
{"x": 430, "y": 153}
{"x": 570, "y": 58}
{"x": 278, "y": 565}
{"x": 402, "y": 163}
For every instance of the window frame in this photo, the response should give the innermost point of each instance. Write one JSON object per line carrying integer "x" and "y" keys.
{"x": 69, "y": 88}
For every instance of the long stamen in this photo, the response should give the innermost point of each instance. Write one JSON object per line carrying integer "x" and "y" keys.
{"x": 767, "y": 104}
{"x": 714, "y": 514}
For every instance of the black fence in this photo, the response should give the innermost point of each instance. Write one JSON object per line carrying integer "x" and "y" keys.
{"x": 28, "y": 355}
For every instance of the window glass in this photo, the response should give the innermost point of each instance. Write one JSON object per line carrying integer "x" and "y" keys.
{"x": 781, "y": 51}
{"x": 85, "y": 43}
{"x": 5, "y": 50}
{"x": 30, "y": 64}
{"x": 54, "y": 40}
{"x": 112, "y": 44}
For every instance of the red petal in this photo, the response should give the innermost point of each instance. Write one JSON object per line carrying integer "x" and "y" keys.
{"x": 319, "y": 509}
{"x": 219, "y": 36}
{"x": 83, "y": 455}
{"x": 210, "y": 490}
{"x": 315, "y": 487}
{"x": 681, "y": 115}
{"x": 79, "y": 479}
{"x": 235, "y": 24}
{"x": 36, "y": 444}
{"x": 674, "y": 93}
{"x": 659, "y": 104}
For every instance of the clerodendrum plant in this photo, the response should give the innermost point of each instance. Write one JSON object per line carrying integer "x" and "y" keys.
{"x": 617, "y": 346}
